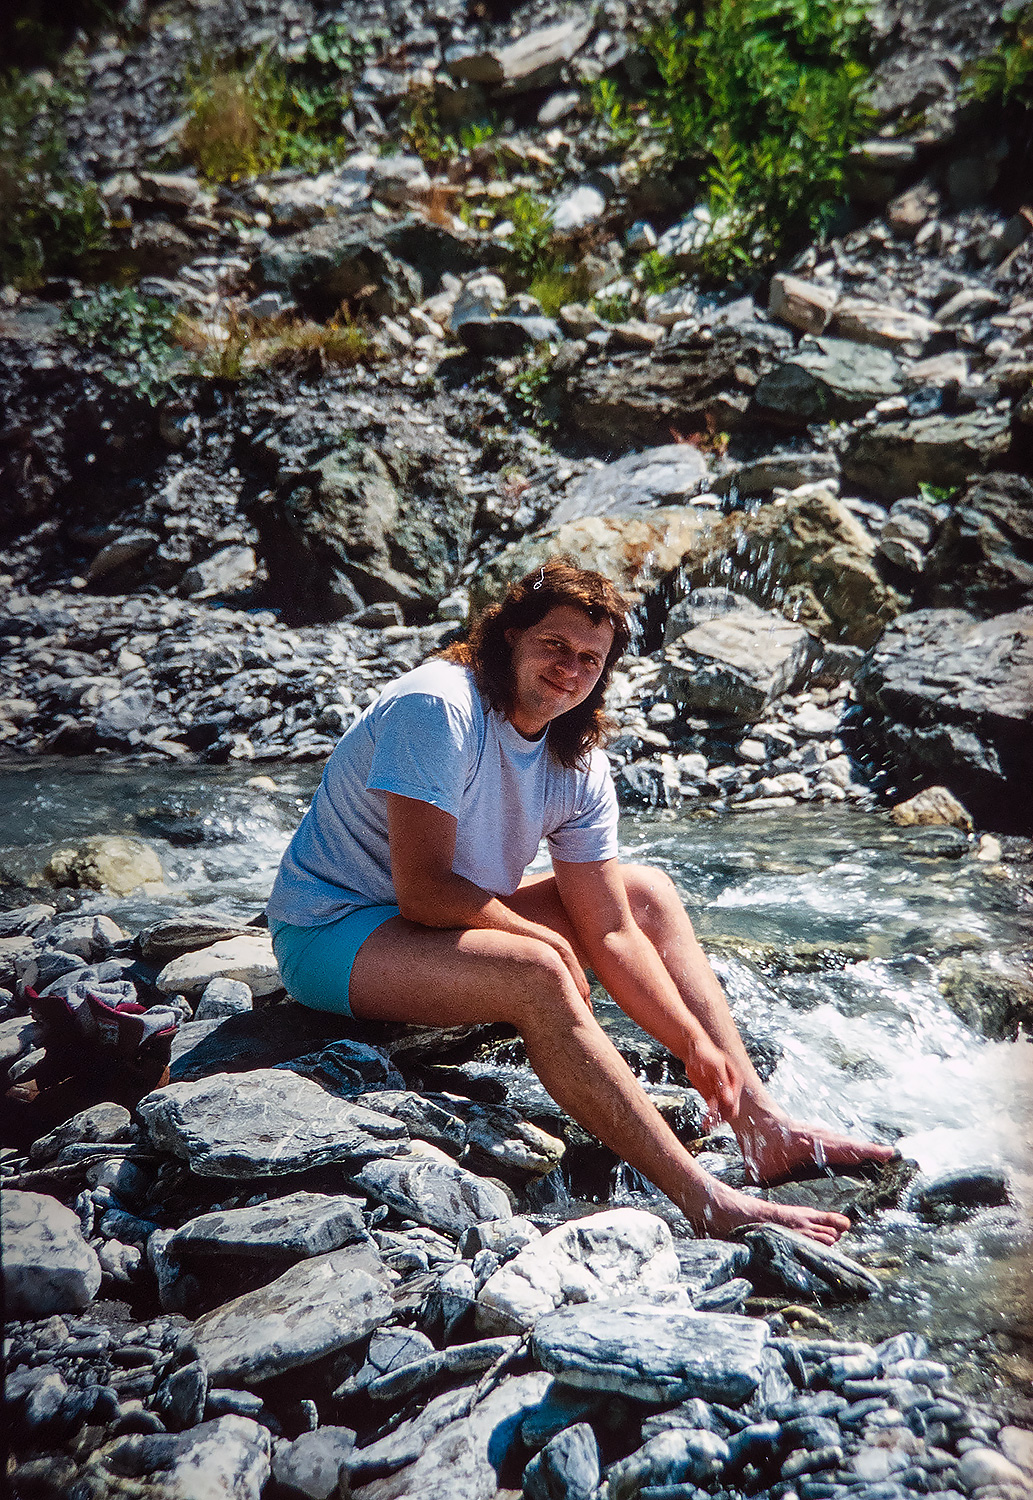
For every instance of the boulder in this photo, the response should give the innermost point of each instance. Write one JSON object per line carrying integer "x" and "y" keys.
{"x": 268, "y": 1123}
{"x": 107, "y": 862}
{"x": 531, "y": 61}
{"x": 668, "y": 475}
{"x": 567, "y": 1468}
{"x": 826, "y": 379}
{"x": 679, "y": 1458}
{"x": 316, "y": 1463}
{"x": 936, "y": 806}
{"x": 653, "y": 1353}
{"x": 315, "y": 1308}
{"x": 982, "y": 556}
{"x": 802, "y": 304}
{"x": 227, "y": 1459}
{"x": 737, "y": 663}
{"x": 248, "y": 959}
{"x": 885, "y": 327}
{"x": 620, "y": 1253}
{"x": 949, "y": 699}
{"x": 340, "y": 261}
{"x": 47, "y": 1265}
{"x": 427, "y": 1186}
{"x": 892, "y": 459}
{"x": 296, "y": 1227}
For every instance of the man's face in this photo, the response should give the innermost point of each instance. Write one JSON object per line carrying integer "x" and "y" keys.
{"x": 555, "y": 665}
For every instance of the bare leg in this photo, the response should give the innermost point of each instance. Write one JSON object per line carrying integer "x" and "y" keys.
{"x": 405, "y": 972}
{"x": 775, "y": 1148}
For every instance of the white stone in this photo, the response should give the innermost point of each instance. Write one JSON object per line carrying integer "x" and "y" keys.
{"x": 47, "y": 1265}
{"x": 877, "y": 323}
{"x": 985, "y": 1466}
{"x": 582, "y": 205}
{"x": 801, "y": 304}
{"x": 249, "y": 959}
{"x": 1017, "y": 1446}
{"x": 599, "y": 1258}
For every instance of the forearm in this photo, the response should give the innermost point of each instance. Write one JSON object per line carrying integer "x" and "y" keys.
{"x": 453, "y": 901}
{"x": 630, "y": 969}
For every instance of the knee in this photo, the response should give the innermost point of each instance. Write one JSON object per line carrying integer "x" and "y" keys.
{"x": 653, "y": 897}
{"x": 541, "y": 982}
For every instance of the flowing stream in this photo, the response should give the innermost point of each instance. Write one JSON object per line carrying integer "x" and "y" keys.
{"x": 828, "y": 929}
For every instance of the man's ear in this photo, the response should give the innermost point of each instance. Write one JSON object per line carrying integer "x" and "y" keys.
{"x": 508, "y": 635}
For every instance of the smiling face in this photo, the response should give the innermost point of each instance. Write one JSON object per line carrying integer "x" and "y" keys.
{"x": 554, "y": 666}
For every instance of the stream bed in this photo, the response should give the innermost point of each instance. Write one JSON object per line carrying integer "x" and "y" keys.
{"x": 832, "y": 932}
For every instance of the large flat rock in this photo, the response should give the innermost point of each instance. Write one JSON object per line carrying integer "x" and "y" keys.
{"x": 426, "y": 1186}
{"x": 737, "y": 663}
{"x": 299, "y": 1225}
{"x": 47, "y": 1265}
{"x": 653, "y": 1353}
{"x": 315, "y": 1308}
{"x": 268, "y": 1123}
{"x": 227, "y": 1459}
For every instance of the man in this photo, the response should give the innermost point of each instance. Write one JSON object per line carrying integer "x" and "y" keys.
{"x": 402, "y": 896}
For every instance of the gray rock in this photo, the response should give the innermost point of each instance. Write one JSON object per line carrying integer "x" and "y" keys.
{"x": 315, "y": 1463}
{"x": 403, "y": 1446}
{"x": 268, "y": 1123}
{"x": 424, "y": 1185}
{"x": 706, "y": 1264}
{"x": 799, "y": 1263}
{"x": 507, "y": 333}
{"x": 567, "y": 1468}
{"x": 47, "y": 1265}
{"x": 828, "y": 378}
{"x": 883, "y": 326}
{"x": 529, "y": 62}
{"x": 894, "y": 458}
{"x": 462, "y": 1359}
{"x": 950, "y": 698}
{"x": 300, "y": 1225}
{"x": 340, "y": 259}
{"x": 962, "y": 1191}
{"x": 227, "y": 1459}
{"x": 685, "y": 1456}
{"x": 231, "y": 570}
{"x": 425, "y": 1119}
{"x": 101, "y": 1122}
{"x": 249, "y": 960}
{"x": 315, "y": 1308}
{"x": 653, "y": 1353}
{"x": 778, "y": 471}
{"x": 223, "y": 997}
{"x": 180, "y": 1399}
{"x": 737, "y": 664}
{"x": 252, "y": 1039}
{"x": 982, "y": 556}
{"x": 174, "y": 936}
{"x": 347, "y": 1067}
{"x": 671, "y": 474}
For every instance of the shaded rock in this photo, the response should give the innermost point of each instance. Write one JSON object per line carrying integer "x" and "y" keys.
{"x": 671, "y": 474}
{"x": 461, "y": 1359}
{"x": 530, "y": 61}
{"x": 405, "y": 1444}
{"x": 180, "y": 1399}
{"x": 340, "y": 261}
{"x": 499, "y": 1139}
{"x": 737, "y": 663}
{"x": 425, "y": 1119}
{"x": 672, "y": 1458}
{"x": 426, "y": 1186}
{"x": 936, "y": 805}
{"x": 894, "y": 458}
{"x": 994, "y": 998}
{"x": 106, "y": 862}
{"x": 620, "y": 1253}
{"x": 910, "y": 530}
{"x": 315, "y": 1463}
{"x": 348, "y": 1067}
{"x": 983, "y": 555}
{"x": 827, "y": 378}
{"x": 786, "y": 471}
{"x": 506, "y": 333}
{"x": 174, "y": 936}
{"x": 252, "y": 1039}
{"x": 960, "y": 1192}
{"x": 227, "y": 1459}
{"x": 317, "y": 1307}
{"x": 248, "y": 959}
{"x": 653, "y": 1353}
{"x": 300, "y": 1225}
{"x": 47, "y": 1265}
{"x": 800, "y": 1264}
{"x": 950, "y": 699}
{"x": 567, "y": 1468}
{"x": 101, "y": 1122}
{"x": 267, "y": 1123}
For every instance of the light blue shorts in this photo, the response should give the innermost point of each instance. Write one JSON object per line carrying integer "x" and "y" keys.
{"x": 316, "y": 962}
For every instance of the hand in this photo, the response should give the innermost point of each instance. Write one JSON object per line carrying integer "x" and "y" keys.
{"x": 716, "y": 1077}
{"x": 570, "y": 958}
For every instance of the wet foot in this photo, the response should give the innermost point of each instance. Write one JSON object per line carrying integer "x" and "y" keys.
{"x": 725, "y": 1209}
{"x": 781, "y": 1151}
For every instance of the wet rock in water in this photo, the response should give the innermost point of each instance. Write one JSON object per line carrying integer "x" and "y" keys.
{"x": 315, "y": 1308}
{"x": 348, "y": 1067}
{"x": 316, "y": 1463}
{"x": 892, "y": 459}
{"x": 960, "y": 1192}
{"x": 465, "y": 1455}
{"x": 801, "y": 1264}
{"x": 299, "y": 1225}
{"x": 106, "y": 862}
{"x": 268, "y": 1123}
{"x": 827, "y": 379}
{"x": 653, "y": 1353}
{"x": 737, "y": 663}
{"x": 567, "y": 1468}
{"x": 936, "y": 805}
{"x": 426, "y": 1186}
{"x": 657, "y": 476}
{"x": 620, "y": 1253}
{"x": 248, "y": 959}
{"x": 47, "y": 1265}
{"x": 227, "y": 1459}
{"x": 995, "y": 1000}
{"x": 682, "y": 1457}
{"x": 950, "y": 698}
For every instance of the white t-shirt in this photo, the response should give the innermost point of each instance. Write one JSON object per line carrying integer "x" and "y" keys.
{"x": 429, "y": 736}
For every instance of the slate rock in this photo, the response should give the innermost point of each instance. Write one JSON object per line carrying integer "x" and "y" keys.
{"x": 961, "y": 1191}
{"x": 567, "y": 1468}
{"x": 347, "y": 1068}
{"x": 667, "y": 475}
{"x": 47, "y": 1265}
{"x": 426, "y": 1186}
{"x": 402, "y": 1446}
{"x": 798, "y": 1263}
{"x": 248, "y": 959}
{"x": 181, "y": 1397}
{"x": 685, "y": 1456}
{"x": 982, "y": 556}
{"x": 297, "y": 1226}
{"x": 619, "y": 1253}
{"x": 785, "y": 471}
{"x": 827, "y": 379}
{"x": 268, "y": 1123}
{"x": 507, "y": 333}
{"x": 705, "y": 1265}
{"x": 223, "y": 997}
{"x": 652, "y": 1353}
{"x": 101, "y": 1122}
{"x": 255, "y": 1039}
{"x": 892, "y": 459}
{"x": 342, "y": 258}
{"x": 737, "y": 663}
{"x": 227, "y": 1459}
{"x": 314, "y": 1464}
{"x": 315, "y": 1308}
{"x": 425, "y": 1119}
{"x": 527, "y": 62}
{"x": 173, "y": 936}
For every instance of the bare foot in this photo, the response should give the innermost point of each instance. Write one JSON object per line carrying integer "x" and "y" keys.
{"x": 725, "y": 1209}
{"x": 778, "y": 1151}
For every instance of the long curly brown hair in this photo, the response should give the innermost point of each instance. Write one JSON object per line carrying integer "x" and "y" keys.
{"x": 487, "y": 653}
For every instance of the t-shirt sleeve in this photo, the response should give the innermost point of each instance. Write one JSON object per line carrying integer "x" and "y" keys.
{"x": 591, "y": 833}
{"x": 422, "y": 747}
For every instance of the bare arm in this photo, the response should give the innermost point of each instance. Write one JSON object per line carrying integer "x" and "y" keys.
{"x": 422, "y": 841}
{"x": 630, "y": 969}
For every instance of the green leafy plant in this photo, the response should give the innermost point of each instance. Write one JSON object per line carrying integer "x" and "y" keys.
{"x": 657, "y": 273}
{"x": 530, "y": 244}
{"x": 425, "y": 133}
{"x": 139, "y": 334}
{"x": 529, "y": 388}
{"x": 51, "y": 221}
{"x": 1005, "y": 75}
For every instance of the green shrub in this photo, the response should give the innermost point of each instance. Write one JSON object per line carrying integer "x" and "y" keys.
{"x": 425, "y": 134}
{"x": 51, "y": 223}
{"x": 529, "y": 391}
{"x": 139, "y": 334}
{"x": 763, "y": 99}
{"x": 1005, "y": 75}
